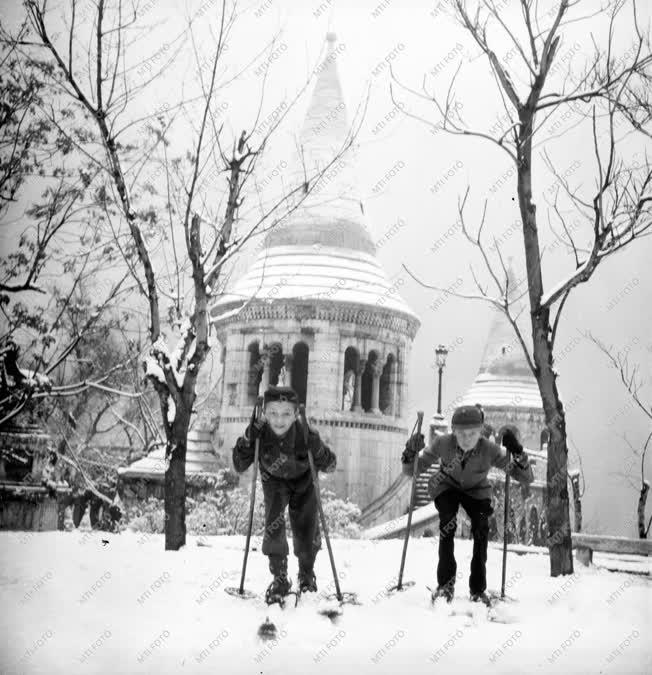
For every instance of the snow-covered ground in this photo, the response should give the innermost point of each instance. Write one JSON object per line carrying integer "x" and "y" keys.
{"x": 73, "y": 604}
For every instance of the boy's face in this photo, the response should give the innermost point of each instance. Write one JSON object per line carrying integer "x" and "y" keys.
{"x": 467, "y": 437}
{"x": 280, "y": 415}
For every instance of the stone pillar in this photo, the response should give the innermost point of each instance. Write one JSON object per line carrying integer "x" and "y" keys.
{"x": 264, "y": 382}
{"x": 287, "y": 362}
{"x": 376, "y": 371}
{"x": 393, "y": 386}
{"x": 357, "y": 397}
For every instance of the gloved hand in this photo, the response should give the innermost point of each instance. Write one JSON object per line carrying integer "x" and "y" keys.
{"x": 415, "y": 443}
{"x": 255, "y": 428}
{"x": 511, "y": 442}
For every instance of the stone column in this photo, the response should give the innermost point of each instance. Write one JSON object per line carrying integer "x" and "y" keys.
{"x": 287, "y": 362}
{"x": 376, "y": 371}
{"x": 393, "y": 385}
{"x": 264, "y": 382}
{"x": 357, "y": 396}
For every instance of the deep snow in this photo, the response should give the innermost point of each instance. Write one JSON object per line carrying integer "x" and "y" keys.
{"x": 73, "y": 604}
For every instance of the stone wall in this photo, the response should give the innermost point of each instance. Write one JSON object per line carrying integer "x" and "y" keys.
{"x": 529, "y": 421}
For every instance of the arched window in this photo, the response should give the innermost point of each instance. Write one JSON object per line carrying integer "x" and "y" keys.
{"x": 388, "y": 386}
{"x": 367, "y": 380}
{"x": 511, "y": 529}
{"x": 255, "y": 373}
{"x": 275, "y": 352}
{"x": 300, "y": 355}
{"x": 533, "y": 527}
{"x": 351, "y": 363}
{"x": 285, "y": 376}
{"x": 493, "y": 528}
{"x": 545, "y": 439}
{"x": 522, "y": 531}
{"x": 514, "y": 429}
{"x": 223, "y": 371}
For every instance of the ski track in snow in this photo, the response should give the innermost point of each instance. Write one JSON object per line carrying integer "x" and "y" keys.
{"x": 75, "y": 605}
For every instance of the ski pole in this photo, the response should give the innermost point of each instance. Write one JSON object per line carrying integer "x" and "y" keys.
{"x": 413, "y": 492}
{"x": 252, "y": 501}
{"x": 505, "y": 525}
{"x": 315, "y": 481}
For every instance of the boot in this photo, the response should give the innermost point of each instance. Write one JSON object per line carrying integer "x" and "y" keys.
{"x": 307, "y": 579}
{"x": 280, "y": 586}
{"x": 447, "y": 592}
{"x": 481, "y": 597}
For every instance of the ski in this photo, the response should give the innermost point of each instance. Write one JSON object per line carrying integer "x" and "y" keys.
{"x": 434, "y": 597}
{"x": 496, "y": 609}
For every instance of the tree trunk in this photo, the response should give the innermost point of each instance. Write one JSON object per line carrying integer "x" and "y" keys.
{"x": 577, "y": 504}
{"x": 642, "y": 499}
{"x": 556, "y": 495}
{"x": 175, "y": 482}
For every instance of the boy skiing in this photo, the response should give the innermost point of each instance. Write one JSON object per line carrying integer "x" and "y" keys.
{"x": 287, "y": 481}
{"x": 465, "y": 459}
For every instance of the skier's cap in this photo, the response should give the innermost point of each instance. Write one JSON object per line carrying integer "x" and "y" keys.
{"x": 467, "y": 416}
{"x": 280, "y": 394}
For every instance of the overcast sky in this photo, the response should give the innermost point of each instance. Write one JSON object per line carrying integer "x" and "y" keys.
{"x": 435, "y": 169}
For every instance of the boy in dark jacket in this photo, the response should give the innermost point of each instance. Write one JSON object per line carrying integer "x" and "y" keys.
{"x": 465, "y": 459}
{"x": 287, "y": 481}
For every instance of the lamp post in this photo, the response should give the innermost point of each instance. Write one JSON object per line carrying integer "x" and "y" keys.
{"x": 440, "y": 359}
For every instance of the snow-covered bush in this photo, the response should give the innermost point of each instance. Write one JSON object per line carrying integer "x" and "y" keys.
{"x": 146, "y": 516}
{"x": 205, "y": 515}
{"x": 226, "y": 511}
{"x": 342, "y": 516}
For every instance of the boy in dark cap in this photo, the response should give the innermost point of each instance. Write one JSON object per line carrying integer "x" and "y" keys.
{"x": 465, "y": 459}
{"x": 287, "y": 481}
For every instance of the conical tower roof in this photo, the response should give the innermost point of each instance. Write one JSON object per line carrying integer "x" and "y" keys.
{"x": 323, "y": 251}
{"x": 504, "y": 378}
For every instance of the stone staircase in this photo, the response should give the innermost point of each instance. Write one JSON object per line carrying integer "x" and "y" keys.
{"x": 422, "y": 497}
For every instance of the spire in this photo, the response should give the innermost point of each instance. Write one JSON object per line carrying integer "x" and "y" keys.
{"x": 503, "y": 354}
{"x": 326, "y": 125}
{"x": 504, "y": 379}
{"x": 322, "y": 254}
{"x": 332, "y": 215}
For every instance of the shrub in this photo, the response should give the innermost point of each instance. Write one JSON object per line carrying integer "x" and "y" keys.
{"x": 226, "y": 511}
{"x": 146, "y": 516}
{"x": 342, "y": 516}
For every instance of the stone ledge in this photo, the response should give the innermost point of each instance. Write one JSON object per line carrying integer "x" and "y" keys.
{"x": 351, "y": 424}
{"x": 317, "y": 310}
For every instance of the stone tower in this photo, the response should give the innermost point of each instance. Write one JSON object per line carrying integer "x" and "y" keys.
{"x": 316, "y": 311}
{"x": 509, "y": 394}
{"x": 505, "y": 385}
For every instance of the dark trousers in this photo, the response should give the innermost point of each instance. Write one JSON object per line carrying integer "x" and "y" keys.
{"x": 478, "y": 510}
{"x": 299, "y": 495}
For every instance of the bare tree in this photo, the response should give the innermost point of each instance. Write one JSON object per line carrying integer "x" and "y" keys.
{"x": 632, "y": 382}
{"x": 617, "y": 214}
{"x": 211, "y": 237}
{"x": 34, "y": 344}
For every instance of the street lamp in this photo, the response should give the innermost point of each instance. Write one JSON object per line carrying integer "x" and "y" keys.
{"x": 440, "y": 359}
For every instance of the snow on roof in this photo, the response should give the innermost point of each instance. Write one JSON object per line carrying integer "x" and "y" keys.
{"x": 199, "y": 460}
{"x": 503, "y": 391}
{"x": 314, "y": 273}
